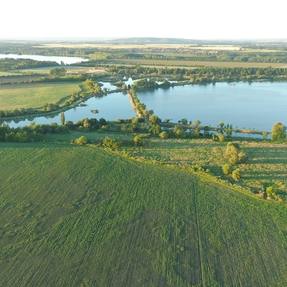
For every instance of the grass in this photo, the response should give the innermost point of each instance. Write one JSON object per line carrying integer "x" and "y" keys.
{"x": 34, "y": 95}
{"x": 5, "y": 74}
{"x": 266, "y": 164}
{"x": 71, "y": 70}
{"x": 80, "y": 216}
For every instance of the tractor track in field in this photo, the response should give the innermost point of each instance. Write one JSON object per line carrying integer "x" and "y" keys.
{"x": 199, "y": 246}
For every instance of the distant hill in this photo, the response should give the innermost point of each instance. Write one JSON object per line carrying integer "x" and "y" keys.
{"x": 151, "y": 40}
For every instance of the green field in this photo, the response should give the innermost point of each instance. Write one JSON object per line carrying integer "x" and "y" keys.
{"x": 72, "y": 70}
{"x": 34, "y": 95}
{"x": 80, "y": 216}
{"x": 266, "y": 162}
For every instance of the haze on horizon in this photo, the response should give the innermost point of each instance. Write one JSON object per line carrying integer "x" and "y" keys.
{"x": 205, "y": 19}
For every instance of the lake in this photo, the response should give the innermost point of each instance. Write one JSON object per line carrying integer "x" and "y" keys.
{"x": 255, "y": 106}
{"x": 112, "y": 107}
{"x": 258, "y": 105}
{"x": 57, "y": 59}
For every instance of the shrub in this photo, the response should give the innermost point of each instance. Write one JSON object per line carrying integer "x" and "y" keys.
{"x": 110, "y": 143}
{"x": 218, "y": 138}
{"x": 221, "y": 138}
{"x": 226, "y": 169}
{"x": 164, "y": 135}
{"x": 82, "y": 140}
{"x": 236, "y": 174}
{"x": 138, "y": 140}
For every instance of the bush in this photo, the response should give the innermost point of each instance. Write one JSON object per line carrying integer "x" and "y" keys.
{"x": 236, "y": 174}
{"x": 164, "y": 135}
{"x": 218, "y": 138}
{"x": 138, "y": 140}
{"x": 221, "y": 138}
{"x": 226, "y": 169}
{"x": 82, "y": 140}
{"x": 109, "y": 143}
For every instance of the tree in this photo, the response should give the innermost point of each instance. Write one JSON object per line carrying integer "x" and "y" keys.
{"x": 63, "y": 118}
{"x": 196, "y": 127}
{"x": 86, "y": 124}
{"x": 278, "y": 132}
{"x": 102, "y": 122}
{"x": 228, "y": 130}
{"x": 135, "y": 122}
{"x": 183, "y": 121}
{"x": 233, "y": 153}
{"x": 220, "y": 127}
{"x": 178, "y": 131}
{"x": 91, "y": 87}
{"x": 154, "y": 120}
{"x": 155, "y": 129}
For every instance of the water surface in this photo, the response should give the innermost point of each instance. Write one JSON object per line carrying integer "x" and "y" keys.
{"x": 258, "y": 105}
{"x": 57, "y": 59}
{"x": 254, "y": 106}
{"x": 111, "y": 107}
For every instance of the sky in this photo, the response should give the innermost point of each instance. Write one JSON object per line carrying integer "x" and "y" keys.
{"x": 191, "y": 19}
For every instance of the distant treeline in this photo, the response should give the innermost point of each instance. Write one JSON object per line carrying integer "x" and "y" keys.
{"x": 35, "y": 132}
{"x": 206, "y": 74}
{"x": 200, "y": 55}
{"x": 15, "y": 64}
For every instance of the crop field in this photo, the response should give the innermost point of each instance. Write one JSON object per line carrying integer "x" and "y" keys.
{"x": 71, "y": 70}
{"x": 34, "y": 95}
{"x": 266, "y": 164}
{"x": 81, "y": 216}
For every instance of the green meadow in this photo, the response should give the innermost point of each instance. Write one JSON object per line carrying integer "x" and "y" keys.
{"x": 83, "y": 216}
{"x": 34, "y": 95}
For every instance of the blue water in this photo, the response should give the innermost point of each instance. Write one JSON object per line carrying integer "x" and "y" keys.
{"x": 112, "y": 107}
{"x": 254, "y": 106}
{"x": 258, "y": 105}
